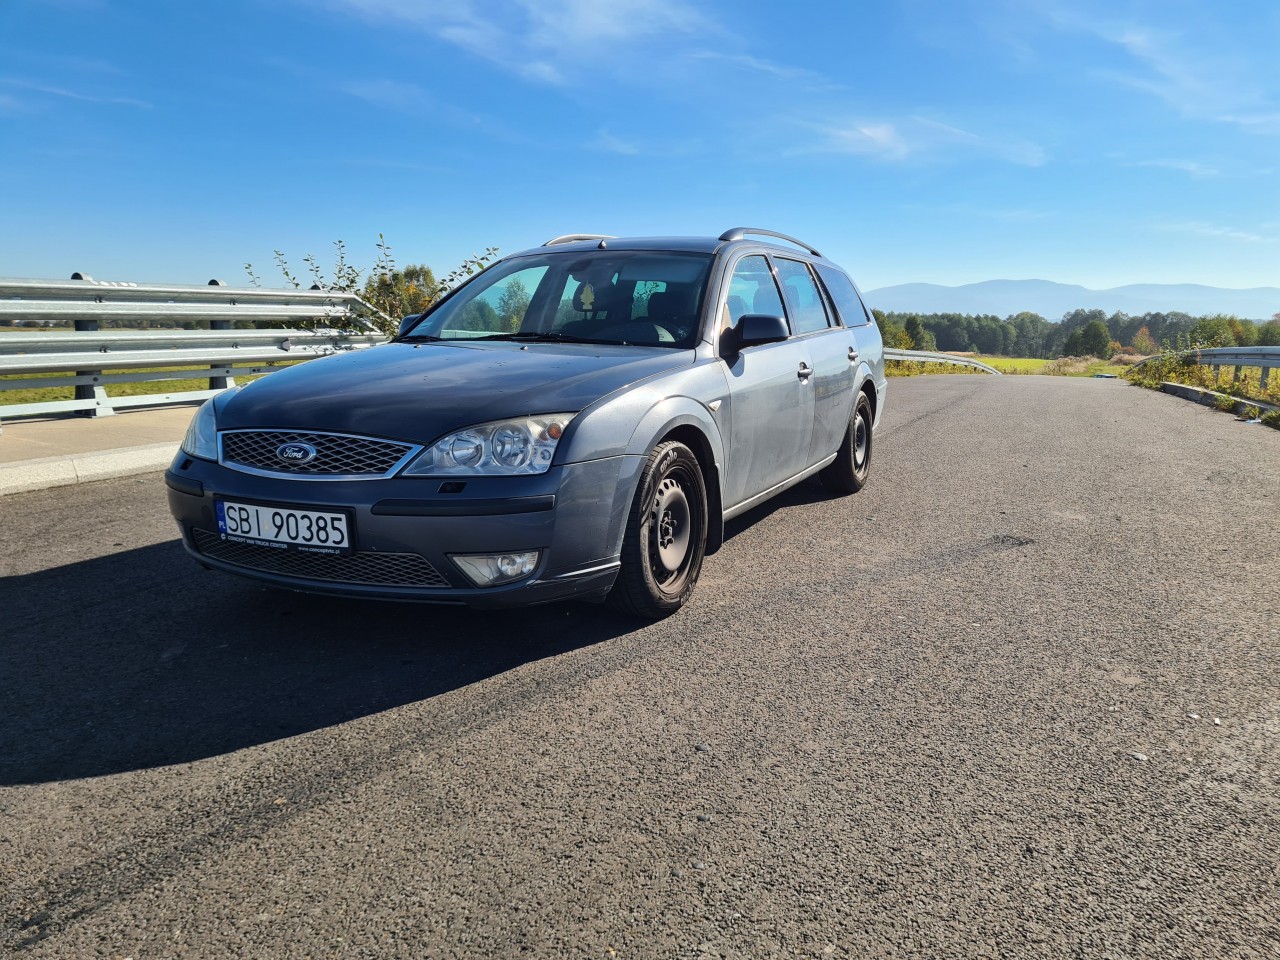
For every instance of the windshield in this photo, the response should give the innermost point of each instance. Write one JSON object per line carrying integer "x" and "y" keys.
{"x": 620, "y": 297}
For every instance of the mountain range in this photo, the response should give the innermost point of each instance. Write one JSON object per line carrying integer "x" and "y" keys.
{"x": 1051, "y": 300}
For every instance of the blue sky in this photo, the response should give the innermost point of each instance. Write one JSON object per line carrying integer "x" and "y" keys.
{"x": 1099, "y": 143}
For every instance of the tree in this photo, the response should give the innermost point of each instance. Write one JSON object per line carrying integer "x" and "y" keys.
{"x": 921, "y": 339}
{"x": 1269, "y": 333}
{"x": 391, "y": 292}
{"x": 400, "y": 293}
{"x": 479, "y": 314}
{"x": 1213, "y": 331}
{"x": 1095, "y": 340}
{"x": 513, "y": 304}
{"x": 891, "y": 332}
{"x": 1144, "y": 343}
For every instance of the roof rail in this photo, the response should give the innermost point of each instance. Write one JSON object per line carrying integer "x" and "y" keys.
{"x": 737, "y": 233}
{"x": 574, "y": 237}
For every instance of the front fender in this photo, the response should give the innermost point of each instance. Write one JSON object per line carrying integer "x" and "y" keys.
{"x": 631, "y": 422}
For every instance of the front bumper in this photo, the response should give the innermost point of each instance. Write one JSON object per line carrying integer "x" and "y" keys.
{"x": 405, "y": 529}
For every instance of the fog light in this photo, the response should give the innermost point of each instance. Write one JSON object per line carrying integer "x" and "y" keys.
{"x": 491, "y": 569}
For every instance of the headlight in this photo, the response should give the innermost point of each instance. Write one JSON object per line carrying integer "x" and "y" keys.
{"x": 502, "y": 448}
{"x": 202, "y": 436}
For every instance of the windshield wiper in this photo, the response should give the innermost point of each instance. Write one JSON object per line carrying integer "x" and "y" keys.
{"x": 536, "y": 337}
{"x": 418, "y": 338}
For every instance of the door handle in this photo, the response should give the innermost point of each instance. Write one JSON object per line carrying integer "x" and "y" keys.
{"x": 853, "y": 354}
{"x": 805, "y": 371}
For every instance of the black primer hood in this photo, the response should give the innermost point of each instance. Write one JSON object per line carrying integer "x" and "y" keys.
{"x": 420, "y": 392}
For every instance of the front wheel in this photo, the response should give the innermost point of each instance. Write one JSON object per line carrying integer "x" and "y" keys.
{"x": 666, "y": 535}
{"x": 849, "y": 471}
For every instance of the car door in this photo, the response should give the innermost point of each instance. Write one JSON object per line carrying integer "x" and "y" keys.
{"x": 770, "y": 391}
{"x": 831, "y": 352}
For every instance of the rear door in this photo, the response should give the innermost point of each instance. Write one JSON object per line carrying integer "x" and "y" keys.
{"x": 829, "y": 345}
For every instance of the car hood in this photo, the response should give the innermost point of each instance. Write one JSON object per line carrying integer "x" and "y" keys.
{"x": 419, "y": 392}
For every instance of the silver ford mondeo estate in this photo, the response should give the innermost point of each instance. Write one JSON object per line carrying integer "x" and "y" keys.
{"x": 578, "y": 420}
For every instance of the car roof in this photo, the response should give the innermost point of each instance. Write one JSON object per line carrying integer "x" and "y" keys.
{"x": 676, "y": 244}
{"x": 580, "y": 243}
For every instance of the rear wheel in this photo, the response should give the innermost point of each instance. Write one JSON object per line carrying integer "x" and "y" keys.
{"x": 666, "y": 535}
{"x": 849, "y": 471}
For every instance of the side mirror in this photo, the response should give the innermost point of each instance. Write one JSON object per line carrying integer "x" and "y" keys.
{"x": 407, "y": 323}
{"x": 757, "y": 328}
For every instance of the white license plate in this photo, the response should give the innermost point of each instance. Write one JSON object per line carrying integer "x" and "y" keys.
{"x": 284, "y": 528}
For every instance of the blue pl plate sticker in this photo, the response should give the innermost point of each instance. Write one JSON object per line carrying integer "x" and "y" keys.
{"x": 222, "y": 518}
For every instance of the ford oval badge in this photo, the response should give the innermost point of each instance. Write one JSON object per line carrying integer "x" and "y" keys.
{"x": 296, "y": 453}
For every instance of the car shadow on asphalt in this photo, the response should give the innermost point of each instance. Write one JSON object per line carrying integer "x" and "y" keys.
{"x": 142, "y": 659}
{"x": 804, "y": 493}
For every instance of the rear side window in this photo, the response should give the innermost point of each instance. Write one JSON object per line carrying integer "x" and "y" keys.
{"x": 808, "y": 314}
{"x": 846, "y": 298}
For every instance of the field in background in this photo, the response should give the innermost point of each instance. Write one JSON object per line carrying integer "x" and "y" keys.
{"x": 144, "y": 387}
{"x": 1063, "y": 367}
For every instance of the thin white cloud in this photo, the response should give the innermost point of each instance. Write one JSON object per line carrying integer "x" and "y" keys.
{"x": 1255, "y": 122}
{"x": 416, "y": 101}
{"x": 389, "y": 94}
{"x": 775, "y": 71}
{"x": 546, "y": 41}
{"x": 1190, "y": 167}
{"x": 970, "y": 210}
{"x": 1204, "y": 229}
{"x": 913, "y": 138}
{"x": 50, "y": 91}
{"x": 607, "y": 142}
{"x": 1191, "y": 73}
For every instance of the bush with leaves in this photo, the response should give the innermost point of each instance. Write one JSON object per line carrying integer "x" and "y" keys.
{"x": 390, "y": 293}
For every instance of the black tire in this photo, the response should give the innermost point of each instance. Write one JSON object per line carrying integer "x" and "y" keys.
{"x": 666, "y": 536}
{"x": 849, "y": 471}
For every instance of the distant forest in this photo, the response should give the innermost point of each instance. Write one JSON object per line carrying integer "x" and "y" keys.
{"x": 1079, "y": 333}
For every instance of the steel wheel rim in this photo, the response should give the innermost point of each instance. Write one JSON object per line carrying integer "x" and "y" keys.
{"x": 861, "y": 441}
{"x": 670, "y": 529}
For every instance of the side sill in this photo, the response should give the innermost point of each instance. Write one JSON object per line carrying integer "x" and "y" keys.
{"x": 759, "y": 498}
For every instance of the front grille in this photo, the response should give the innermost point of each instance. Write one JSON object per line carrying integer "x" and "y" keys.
{"x": 377, "y": 569}
{"x": 336, "y": 454}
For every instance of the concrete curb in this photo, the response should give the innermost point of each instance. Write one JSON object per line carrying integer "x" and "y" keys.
{"x": 29, "y": 475}
{"x": 1211, "y": 398}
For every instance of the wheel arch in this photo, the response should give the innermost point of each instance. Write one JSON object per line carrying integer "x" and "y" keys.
{"x": 693, "y": 438}
{"x": 691, "y": 423}
{"x": 869, "y": 389}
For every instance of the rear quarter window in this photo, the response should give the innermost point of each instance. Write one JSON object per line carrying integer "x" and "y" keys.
{"x": 852, "y": 310}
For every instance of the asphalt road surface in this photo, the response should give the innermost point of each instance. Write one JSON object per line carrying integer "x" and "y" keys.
{"x": 1018, "y": 698}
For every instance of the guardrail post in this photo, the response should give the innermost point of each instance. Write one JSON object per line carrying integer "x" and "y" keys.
{"x": 91, "y": 391}
{"x": 219, "y": 383}
{"x": 1262, "y": 382}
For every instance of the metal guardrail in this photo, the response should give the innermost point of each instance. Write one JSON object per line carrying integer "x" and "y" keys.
{"x": 925, "y": 356}
{"x": 1267, "y": 358}
{"x": 85, "y": 355}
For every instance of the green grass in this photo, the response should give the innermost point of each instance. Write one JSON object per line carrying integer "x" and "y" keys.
{"x": 141, "y": 388}
{"x": 1014, "y": 364}
{"x": 1065, "y": 367}
{"x": 1177, "y": 370}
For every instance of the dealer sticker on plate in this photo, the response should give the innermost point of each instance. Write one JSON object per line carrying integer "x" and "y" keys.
{"x": 284, "y": 528}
